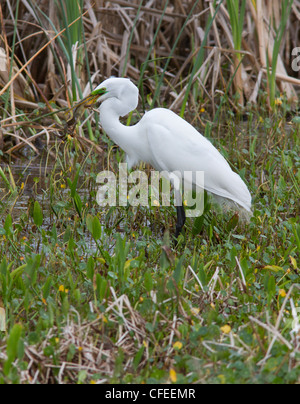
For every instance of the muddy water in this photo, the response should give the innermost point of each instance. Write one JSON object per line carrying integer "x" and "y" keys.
{"x": 32, "y": 179}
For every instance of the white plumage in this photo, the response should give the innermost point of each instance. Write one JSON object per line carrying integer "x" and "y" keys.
{"x": 167, "y": 142}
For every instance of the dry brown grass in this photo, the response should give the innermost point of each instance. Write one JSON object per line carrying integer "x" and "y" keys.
{"x": 118, "y": 35}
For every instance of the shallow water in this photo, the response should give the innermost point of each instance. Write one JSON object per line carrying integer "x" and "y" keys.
{"x": 30, "y": 178}
{"x": 37, "y": 175}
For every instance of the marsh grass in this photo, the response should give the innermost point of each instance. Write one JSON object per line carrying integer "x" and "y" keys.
{"x": 237, "y": 11}
{"x": 90, "y": 295}
{"x": 98, "y": 295}
{"x": 286, "y": 10}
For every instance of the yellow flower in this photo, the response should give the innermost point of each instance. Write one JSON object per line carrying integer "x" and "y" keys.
{"x": 222, "y": 379}
{"x": 278, "y": 101}
{"x": 202, "y": 110}
{"x": 61, "y": 288}
{"x": 226, "y": 329}
{"x": 195, "y": 311}
{"x": 101, "y": 260}
{"x": 80, "y": 349}
{"x": 22, "y": 186}
{"x": 178, "y": 345}
{"x": 282, "y": 293}
{"x": 63, "y": 186}
{"x": 173, "y": 375}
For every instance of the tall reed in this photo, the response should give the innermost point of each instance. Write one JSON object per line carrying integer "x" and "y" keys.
{"x": 199, "y": 59}
{"x": 272, "y": 70}
{"x": 69, "y": 11}
{"x": 236, "y": 10}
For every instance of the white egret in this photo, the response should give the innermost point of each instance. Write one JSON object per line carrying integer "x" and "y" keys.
{"x": 168, "y": 143}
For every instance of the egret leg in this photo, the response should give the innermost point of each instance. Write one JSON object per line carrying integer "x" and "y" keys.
{"x": 181, "y": 218}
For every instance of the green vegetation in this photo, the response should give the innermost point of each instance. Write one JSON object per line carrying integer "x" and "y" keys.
{"x": 102, "y": 292}
{"x": 94, "y": 295}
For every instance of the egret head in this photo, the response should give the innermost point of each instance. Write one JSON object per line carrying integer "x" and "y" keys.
{"x": 123, "y": 93}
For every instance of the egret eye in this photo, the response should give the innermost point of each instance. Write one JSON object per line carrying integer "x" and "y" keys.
{"x": 99, "y": 92}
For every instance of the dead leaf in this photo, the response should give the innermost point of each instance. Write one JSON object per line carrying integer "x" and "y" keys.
{"x": 2, "y": 319}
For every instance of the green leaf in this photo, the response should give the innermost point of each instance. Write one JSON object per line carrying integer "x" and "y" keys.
{"x": 101, "y": 285}
{"x": 94, "y": 226}
{"x": 73, "y": 185}
{"x": 148, "y": 282}
{"x": 202, "y": 276}
{"x": 6, "y": 181}
{"x": 37, "y": 214}
{"x": 3, "y": 267}
{"x": 97, "y": 229}
{"x": 138, "y": 357}
{"x": 198, "y": 225}
{"x": 46, "y": 288}
{"x": 178, "y": 273}
{"x": 12, "y": 347}
{"x": 82, "y": 375}
{"x": 272, "y": 285}
{"x": 296, "y": 231}
{"x": 30, "y": 272}
{"x": 296, "y": 119}
{"x": 8, "y": 225}
{"x": 274, "y": 268}
{"x": 89, "y": 223}
{"x": 90, "y": 268}
{"x": 78, "y": 203}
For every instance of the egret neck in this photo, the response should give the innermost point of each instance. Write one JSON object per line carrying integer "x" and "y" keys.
{"x": 127, "y": 138}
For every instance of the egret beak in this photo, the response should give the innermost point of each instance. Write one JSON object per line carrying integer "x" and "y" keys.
{"x": 87, "y": 102}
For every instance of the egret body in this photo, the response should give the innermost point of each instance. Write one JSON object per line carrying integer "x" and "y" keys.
{"x": 168, "y": 143}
